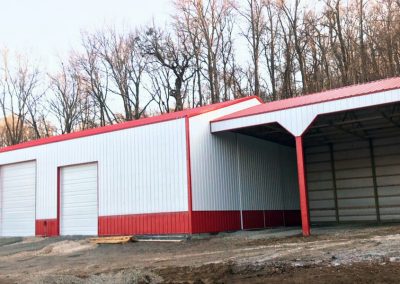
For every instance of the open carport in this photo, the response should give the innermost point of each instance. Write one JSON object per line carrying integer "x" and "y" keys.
{"x": 347, "y": 144}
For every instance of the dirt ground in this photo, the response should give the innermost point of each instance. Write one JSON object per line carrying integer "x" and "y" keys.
{"x": 340, "y": 254}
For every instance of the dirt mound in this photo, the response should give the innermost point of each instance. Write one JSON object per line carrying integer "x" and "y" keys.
{"x": 59, "y": 248}
{"x": 66, "y": 247}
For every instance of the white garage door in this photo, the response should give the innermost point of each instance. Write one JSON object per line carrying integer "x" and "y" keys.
{"x": 17, "y": 199}
{"x": 78, "y": 188}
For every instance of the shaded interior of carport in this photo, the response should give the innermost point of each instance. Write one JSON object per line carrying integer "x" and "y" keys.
{"x": 351, "y": 162}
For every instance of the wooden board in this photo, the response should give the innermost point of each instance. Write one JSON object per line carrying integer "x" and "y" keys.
{"x": 113, "y": 240}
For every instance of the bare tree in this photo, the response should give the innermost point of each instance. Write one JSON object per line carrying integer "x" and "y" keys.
{"x": 187, "y": 24}
{"x": 293, "y": 17}
{"x": 19, "y": 100}
{"x": 68, "y": 98}
{"x": 95, "y": 74}
{"x": 270, "y": 42}
{"x": 253, "y": 15}
{"x": 126, "y": 65}
{"x": 211, "y": 18}
{"x": 160, "y": 87}
{"x": 175, "y": 56}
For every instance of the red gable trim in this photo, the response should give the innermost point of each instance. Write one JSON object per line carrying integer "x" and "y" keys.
{"x": 126, "y": 125}
{"x": 326, "y": 96}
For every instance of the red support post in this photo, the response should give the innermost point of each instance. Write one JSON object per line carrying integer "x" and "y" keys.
{"x": 305, "y": 216}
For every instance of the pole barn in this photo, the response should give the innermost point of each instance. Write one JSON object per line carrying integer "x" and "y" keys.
{"x": 329, "y": 157}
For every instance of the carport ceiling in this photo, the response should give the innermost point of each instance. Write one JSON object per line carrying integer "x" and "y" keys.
{"x": 272, "y": 132}
{"x": 360, "y": 124}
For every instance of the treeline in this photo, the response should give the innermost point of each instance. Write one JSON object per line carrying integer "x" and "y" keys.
{"x": 199, "y": 58}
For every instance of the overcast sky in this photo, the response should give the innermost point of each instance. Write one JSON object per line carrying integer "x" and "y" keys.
{"x": 48, "y": 29}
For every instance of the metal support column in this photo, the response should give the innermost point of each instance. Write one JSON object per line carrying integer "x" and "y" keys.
{"x": 305, "y": 215}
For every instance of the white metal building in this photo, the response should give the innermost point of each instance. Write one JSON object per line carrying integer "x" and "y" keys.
{"x": 332, "y": 157}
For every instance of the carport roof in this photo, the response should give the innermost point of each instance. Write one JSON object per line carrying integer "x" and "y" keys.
{"x": 326, "y": 96}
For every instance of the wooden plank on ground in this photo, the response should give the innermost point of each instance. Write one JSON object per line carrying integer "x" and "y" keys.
{"x": 113, "y": 240}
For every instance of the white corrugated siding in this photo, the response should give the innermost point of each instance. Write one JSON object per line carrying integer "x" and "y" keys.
{"x": 268, "y": 175}
{"x": 215, "y": 170}
{"x": 141, "y": 169}
{"x": 213, "y": 162}
{"x": 304, "y": 115}
{"x": 289, "y": 178}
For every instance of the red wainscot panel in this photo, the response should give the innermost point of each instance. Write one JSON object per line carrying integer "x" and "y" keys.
{"x": 279, "y": 218}
{"x": 46, "y": 227}
{"x": 292, "y": 218}
{"x": 253, "y": 219}
{"x": 215, "y": 221}
{"x": 274, "y": 218}
{"x": 203, "y": 222}
{"x": 220, "y": 221}
{"x": 144, "y": 224}
{"x": 256, "y": 219}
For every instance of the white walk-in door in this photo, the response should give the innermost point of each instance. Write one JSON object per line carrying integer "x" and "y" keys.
{"x": 78, "y": 200}
{"x": 17, "y": 199}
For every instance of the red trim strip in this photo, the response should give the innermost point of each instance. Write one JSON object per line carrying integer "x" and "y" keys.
{"x": 58, "y": 199}
{"x": 189, "y": 174}
{"x": 305, "y": 217}
{"x": 126, "y": 125}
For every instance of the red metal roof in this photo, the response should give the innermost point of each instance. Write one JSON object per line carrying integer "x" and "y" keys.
{"x": 331, "y": 95}
{"x": 129, "y": 124}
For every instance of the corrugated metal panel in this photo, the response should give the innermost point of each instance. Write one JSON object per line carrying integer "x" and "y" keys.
{"x": 216, "y": 221}
{"x": 141, "y": 170}
{"x": 334, "y": 94}
{"x": 46, "y": 227}
{"x": 139, "y": 224}
{"x": 320, "y": 184}
{"x": 354, "y": 181}
{"x": 305, "y": 114}
{"x": 17, "y": 199}
{"x": 387, "y": 161}
{"x": 262, "y": 165}
{"x": 268, "y": 175}
{"x": 260, "y": 172}
{"x": 356, "y": 199}
{"x": 213, "y": 163}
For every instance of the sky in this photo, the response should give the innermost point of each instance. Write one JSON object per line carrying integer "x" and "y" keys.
{"x": 47, "y": 30}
